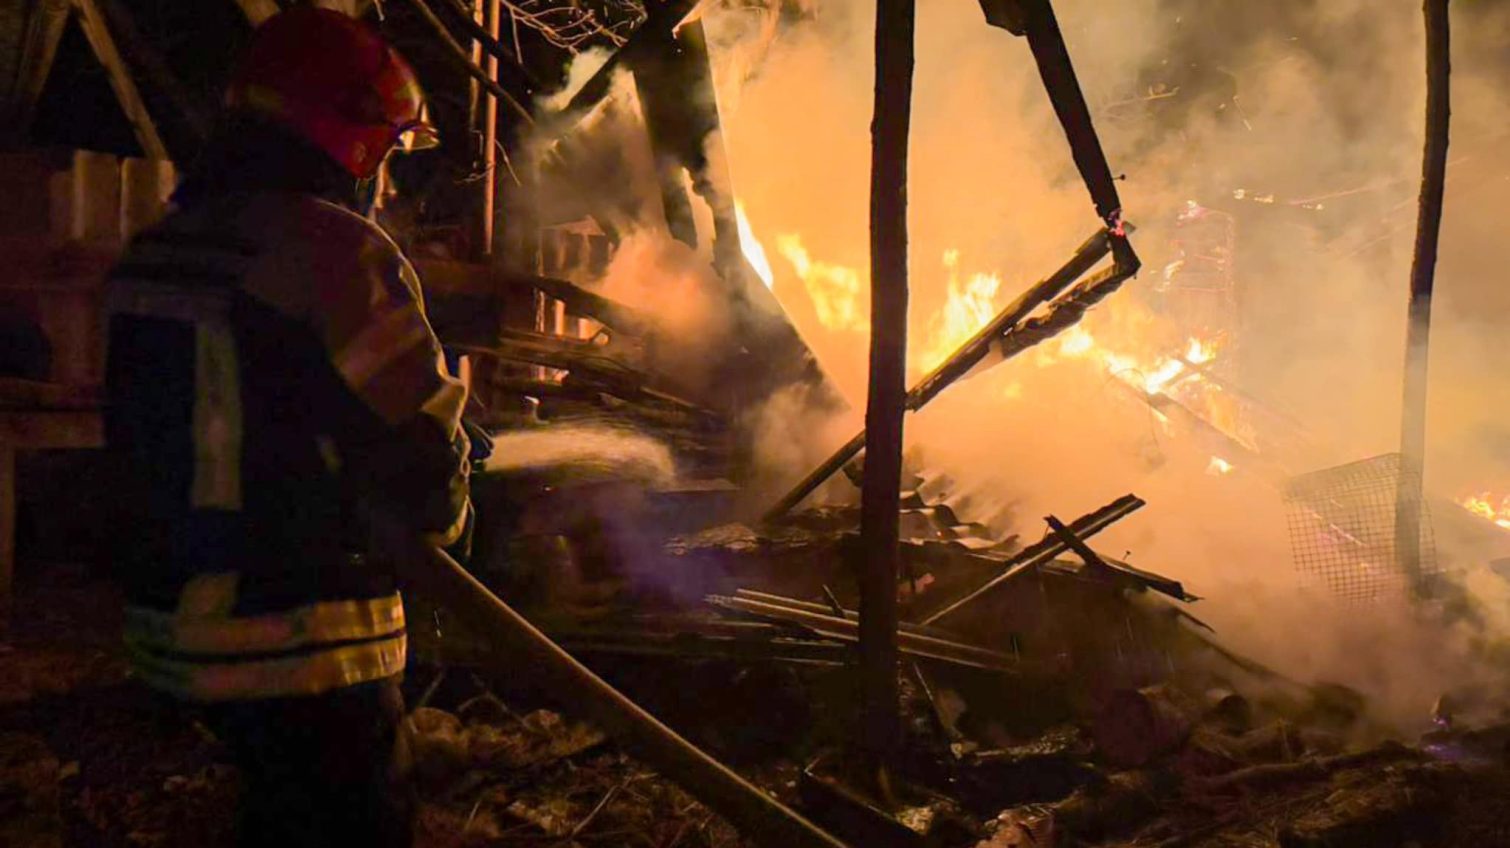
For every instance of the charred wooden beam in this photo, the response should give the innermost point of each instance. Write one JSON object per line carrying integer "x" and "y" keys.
{"x": 909, "y": 642}
{"x": 1068, "y": 538}
{"x": 960, "y": 363}
{"x": 1066, "y": 311}
{"x": 1036, "y": 20}
{"x": 488, "y": 39}
{"x": 1106, "y": 566}
{"x": 661, "y": 20}
{"x": 1042, "y": 552}
{"x": 763, "y": 643}
{"x": 1408, "y": 498}
{"x": 101, "y": 40}
{"x": 461, "y": 59}
{"x": 880, "y": 565}
{"x": 831, "y": 609}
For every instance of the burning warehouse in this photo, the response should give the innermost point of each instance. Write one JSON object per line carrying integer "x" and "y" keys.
{"x": 753, "y": 422}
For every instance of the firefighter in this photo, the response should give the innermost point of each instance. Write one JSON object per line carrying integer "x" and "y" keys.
{"x": 272, "y": 384}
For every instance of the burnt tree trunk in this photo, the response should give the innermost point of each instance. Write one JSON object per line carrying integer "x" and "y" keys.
{"x": 1410, "y": 496}
{"x": 880, "y": 495}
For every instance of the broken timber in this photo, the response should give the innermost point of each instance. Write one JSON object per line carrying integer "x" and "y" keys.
{"x": 1043, "y": 551}
{"x": 1172, "y": 588}
{"x": 964, "y": 360}
{"x": 910, "y": 641}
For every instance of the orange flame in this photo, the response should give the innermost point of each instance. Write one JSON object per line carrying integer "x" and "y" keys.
{"x": 1484, "y": 506}
{"x": 967, "y": 308}
{"x": 836, "y": 290}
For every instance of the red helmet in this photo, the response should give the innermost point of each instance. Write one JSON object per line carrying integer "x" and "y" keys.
{"x": 335, "y": 82}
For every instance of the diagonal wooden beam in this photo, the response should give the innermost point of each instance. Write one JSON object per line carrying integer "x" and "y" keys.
{"x": 129, "y": 96}
{"x": 160, "y": 78}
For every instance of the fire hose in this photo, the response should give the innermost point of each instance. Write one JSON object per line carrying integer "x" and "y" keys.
{"x": 523, "y": 648}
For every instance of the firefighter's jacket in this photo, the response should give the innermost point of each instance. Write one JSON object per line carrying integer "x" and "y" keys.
{"x": 272, "y": 381}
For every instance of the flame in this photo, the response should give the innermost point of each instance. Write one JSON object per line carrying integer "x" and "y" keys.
{"x": 835, "y": 289}
{"x": 752, "y": 248}
{"x": 967, "y": 308}
{"x": 1483, "y": 505}
{"x": 1218, "y": 467}
{"x": 1199, "y": 351}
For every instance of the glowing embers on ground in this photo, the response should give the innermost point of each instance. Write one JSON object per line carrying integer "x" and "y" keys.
{"x": 753, "y": 250}
{"x": 1489, "y": 507}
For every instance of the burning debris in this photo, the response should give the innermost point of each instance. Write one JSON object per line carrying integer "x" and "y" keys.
{"x": 649, "y": 645}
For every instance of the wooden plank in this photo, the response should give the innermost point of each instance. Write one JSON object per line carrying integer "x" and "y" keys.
{"x": 105, "y": 50}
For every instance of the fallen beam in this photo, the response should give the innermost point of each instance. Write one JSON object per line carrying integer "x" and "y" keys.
{"x": 909, "y": 641}
{"x": 1104, "y": 565}
{"x": 1044, "y": 551}
{"x": 835, "y": 611}
{"x": 961, "y": 362}
{"x": 523, "y": 649}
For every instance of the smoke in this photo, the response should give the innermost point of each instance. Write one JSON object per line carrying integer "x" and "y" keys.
{"x": 1301, "y": 120}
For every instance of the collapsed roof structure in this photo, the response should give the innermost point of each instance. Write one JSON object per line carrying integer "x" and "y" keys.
{"x": 1003, "y": 639}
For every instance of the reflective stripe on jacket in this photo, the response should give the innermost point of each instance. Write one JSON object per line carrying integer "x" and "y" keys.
{"x": 271, "y": 376}
{"x": 211, "y": 656}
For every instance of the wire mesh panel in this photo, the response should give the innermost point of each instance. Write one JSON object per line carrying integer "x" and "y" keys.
{"x": 1342, "y": 528}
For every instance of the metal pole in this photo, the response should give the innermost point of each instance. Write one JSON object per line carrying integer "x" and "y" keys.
{"x": 1409, "y": 495}
{"x": 881, "y": 492}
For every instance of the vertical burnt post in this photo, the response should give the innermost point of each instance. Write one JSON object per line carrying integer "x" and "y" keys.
{"x": 1410, "y": 495}
{"x": 880, "y": 497}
